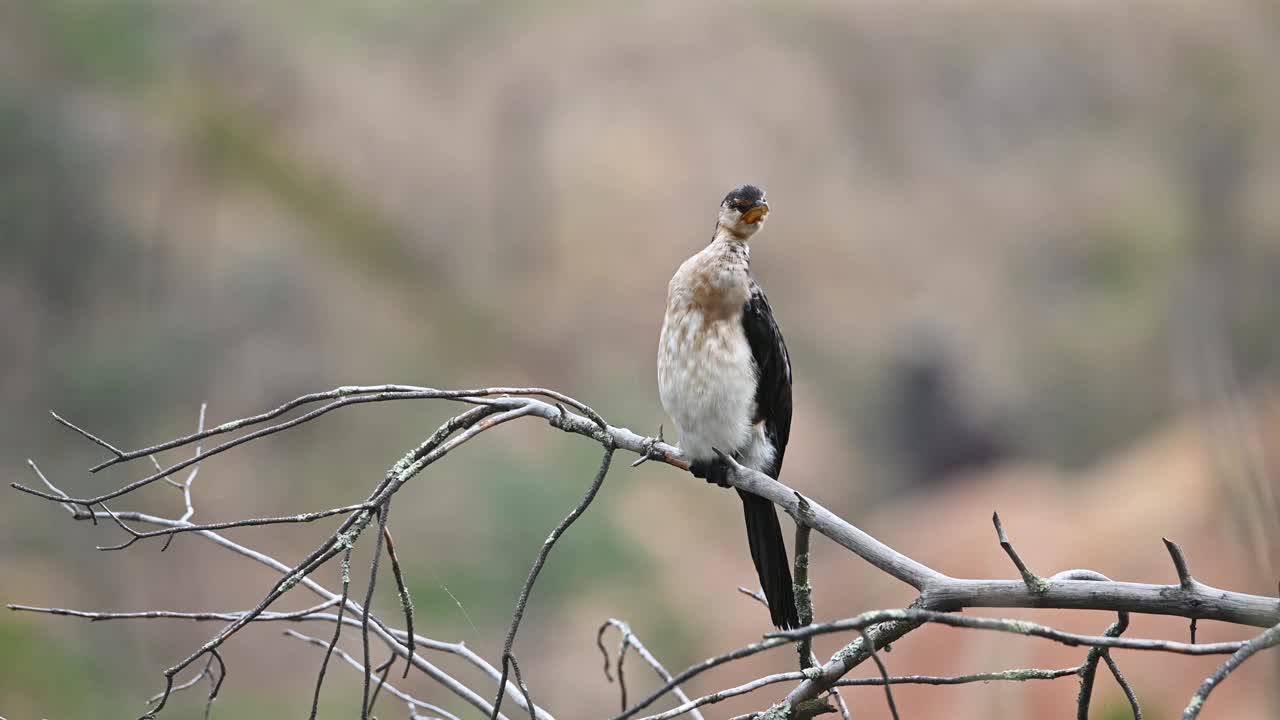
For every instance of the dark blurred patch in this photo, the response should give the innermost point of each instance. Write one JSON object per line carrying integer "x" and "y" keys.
{"x": 934, "y": 433}
{"x": 57, "y": 238}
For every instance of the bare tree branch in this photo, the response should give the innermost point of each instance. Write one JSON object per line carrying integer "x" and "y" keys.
{"x": 803, "y": 590}
{"x": 629, "y": 639}
{"x": 406, "y": 602}
{"x": 191, "y": 476}
{"x": 475, "y": 421}
{"x": 1185, "y": 581}
{"x": 698, "y": 669}
{"x": 215, "y": 683}
{"x": 337, "y": 633}
{"x": 413, "y": 702}
{"x": 884, "y": 672}
{"x": 382, "y": 671}
{"x": 524, "y": 689}
{"x": 365, "y": 705}
{"x": 346, "y": 395}
{"x": 1015, "y": 675}
{"x": 941, "y": 591}
{"x": 158, "y": 614}
{"x": 804, "y": 598}
{"x": 1089, "y": 670}
{"x": 89, "y": 436}
{"x": 135, "y": 536}
{"x": 939, "y": 594}
{"x": 1017, "y": 627}
{"x": 1269, "y": 638}
{"x": 395, "y": 638}
{"x": 1127, "y": 688}
{"x": 1034, "y": 583}
{"x": 541, "y": 559}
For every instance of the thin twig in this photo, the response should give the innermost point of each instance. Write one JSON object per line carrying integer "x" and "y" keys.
{"x": 1185, "y": 580}
{"x": 365, "y": 708}
{"x": 1017, "y": 627}
{"x": 496, "y": 405}
{"x": 379, "y": 390}
{"x": 36, "y": 468}
{"x": 629, "y": 639}
{"x": 1033, "y": 582}
{"x": 941, "y": 591}
{"x": 1268, "y": 638}
{"x": 841, "y": 706}
{"x": 337, "y": 632}
{"x": 215, "y": 685}
{"x": 195, "y": 470}
{"x": 1015, "y": 675}
{"x": 382, "y": 671}
{"x": 166, "y": 614}
{"x": 699, "y": 668}
{"x": 622, "y": 678}
{"x": 248, "y": 522}
{"x": 802, "y": 589}
{"x": 649, "y": 450}
{"x": 475, "y": 421}
{"x": 524, "y": 689}
{"x": 356, "y": 664}
{"x": 160, "y": 468}
{"x": 884, "y": 673}
{"x": 540, "y": 560}
{"x": 421, "y": 393}
{"x": 1134, "y": 706}
{"x": 88, "y": 435}
{"x": 406, "y": 602}
{"x": 850, "y": 656}
{"x": 346, "y": 395}
{"x": 195, "y": 679}
{"x": 1089, "y": 670}
{"x": 394, "y": 638}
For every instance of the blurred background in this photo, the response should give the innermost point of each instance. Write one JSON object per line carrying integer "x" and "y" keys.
{"x": 1026, "y": 256}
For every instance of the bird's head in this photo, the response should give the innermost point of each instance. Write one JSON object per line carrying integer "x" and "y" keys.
{"x": 742, "y": 212}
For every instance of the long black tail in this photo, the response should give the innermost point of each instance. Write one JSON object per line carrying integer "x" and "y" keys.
{"x": 770, "y": 557}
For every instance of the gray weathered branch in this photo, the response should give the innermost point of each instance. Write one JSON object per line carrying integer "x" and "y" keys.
{"x": 938, "y": 594}
{"x": 1269, "y": 638}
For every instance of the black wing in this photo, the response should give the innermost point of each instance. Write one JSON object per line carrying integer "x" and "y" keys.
{"x": 773, "y": 367}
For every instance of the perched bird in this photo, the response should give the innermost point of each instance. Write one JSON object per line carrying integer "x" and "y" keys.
{"x": 725, "y": 378}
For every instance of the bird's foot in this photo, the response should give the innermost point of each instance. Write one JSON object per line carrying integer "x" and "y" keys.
{"x": 713, "y": 471}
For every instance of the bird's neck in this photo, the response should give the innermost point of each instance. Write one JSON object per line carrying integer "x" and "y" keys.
{"x": 730, "y": 241}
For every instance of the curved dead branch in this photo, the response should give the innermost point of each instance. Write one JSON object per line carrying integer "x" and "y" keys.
{"x": 939, "y": 595}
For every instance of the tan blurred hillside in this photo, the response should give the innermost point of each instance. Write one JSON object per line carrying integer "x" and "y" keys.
{"x": 1042, "y": 232}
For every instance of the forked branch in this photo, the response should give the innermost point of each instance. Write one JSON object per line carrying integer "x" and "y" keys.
{"x": 939, "y": 595}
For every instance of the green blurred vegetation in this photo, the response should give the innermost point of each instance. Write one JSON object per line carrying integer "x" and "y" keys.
{"x": 108, "y": 41}
{"x": 48, "y": 676}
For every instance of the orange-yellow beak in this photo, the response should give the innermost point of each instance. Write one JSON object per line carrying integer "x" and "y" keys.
{"x": 755, "y": 214}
